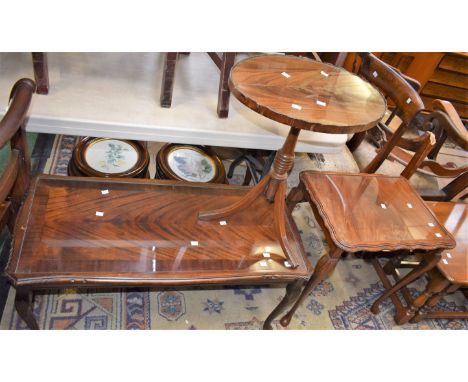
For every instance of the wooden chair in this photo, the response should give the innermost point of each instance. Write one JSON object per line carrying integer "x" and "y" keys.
{"x": 443, "y": 121}
{"x": 450, "y": 273}
{"x": 224, "y": 63}
{"x": 14, "y": 181}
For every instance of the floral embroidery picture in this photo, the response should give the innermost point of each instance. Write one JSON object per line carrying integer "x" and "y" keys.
{"x": 111, "y": 156}
{"x": 191, "y": 165}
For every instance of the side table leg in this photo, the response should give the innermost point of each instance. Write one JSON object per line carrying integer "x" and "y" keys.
{"x": 325, "y": 267}
{"x": 24, "y": 302}
{"x": 292, "y": 292}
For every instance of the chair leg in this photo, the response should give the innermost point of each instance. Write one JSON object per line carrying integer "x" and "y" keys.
{"x": 227, "y": 62}
{"x": 355, "y": 141}
{"x": 41, "y": 72}
{"x": 429, "y": 262}
{"x": 24, "y": 302}
{"x": 167, "y": 85}
{"x": 434, "y": 291}
{"x": 292, "y": 292}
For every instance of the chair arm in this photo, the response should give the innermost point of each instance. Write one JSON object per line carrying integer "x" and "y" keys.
{"x": 20, "y": 99}
{"x": 456, "y": 186}
{"x": 451, "y": 122}
{"x": 419, "y": 156}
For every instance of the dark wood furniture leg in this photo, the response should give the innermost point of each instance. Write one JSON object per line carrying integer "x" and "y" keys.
{"x": 325, "y": 267}
{"x": 437, "y": 287}
{"x": 267, "y": 187}
{"x": 24, "y": 303}
{"x": 41, "y": 72}
{"x": 405, "y": 314}
{"x": 355, "y": 141}
{"x": 292, "y": 292}
{"x": 167, "y": 85}
{"x": 224, "y": 93}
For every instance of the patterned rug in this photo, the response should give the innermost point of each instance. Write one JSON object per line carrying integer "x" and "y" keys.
{"x": 341, "y": 302}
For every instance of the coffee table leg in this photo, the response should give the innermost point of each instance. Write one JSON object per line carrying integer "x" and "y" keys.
{"x": 325, "y": 267}
{"x": 292, "y": 292}
{"x": 24, "y": 302}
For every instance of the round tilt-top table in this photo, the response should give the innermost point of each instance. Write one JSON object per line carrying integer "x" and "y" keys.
{"x": 303, "y": 94}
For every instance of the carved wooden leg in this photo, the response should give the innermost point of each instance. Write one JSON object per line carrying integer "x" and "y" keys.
{"x": 41, "y": 72}
{"x": 227, "y": 63}
{"x": 325, "y": 267}
{"x": 436, "y": 284}
{"x": 24, "y": 302}
{"x": 283, "y": 163}
{"x": 167, "y": 84}
{"x": 292, "y": 292}
{"x": 440, "y": 289}
{"x": 429, "y": 261}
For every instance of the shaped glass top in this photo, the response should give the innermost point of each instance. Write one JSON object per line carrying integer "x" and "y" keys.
{"x": 374, "y": 212}
{"x": 307, "y": 94}
{"x": 128, "y": 228}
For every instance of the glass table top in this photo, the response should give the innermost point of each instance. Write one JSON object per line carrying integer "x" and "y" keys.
{"x": 374, "y": 212}
{"x": 307, "y": 94}
{"x": 95, "y": 227}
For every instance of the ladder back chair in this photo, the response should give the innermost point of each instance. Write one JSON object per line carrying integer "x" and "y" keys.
{"x": 443, "y": 121}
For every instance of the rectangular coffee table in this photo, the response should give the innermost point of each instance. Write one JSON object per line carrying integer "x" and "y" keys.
{"x": 93, "y": 232}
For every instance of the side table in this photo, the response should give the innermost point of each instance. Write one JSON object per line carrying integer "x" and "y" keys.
{"x": 372, "y": 213}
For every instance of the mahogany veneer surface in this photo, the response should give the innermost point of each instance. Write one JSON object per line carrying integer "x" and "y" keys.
{"x": 307, "y": 94}
{"x": 454, "y": 262}
{"x": 373, "y": 212}
{"x": 149, "y": 234}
